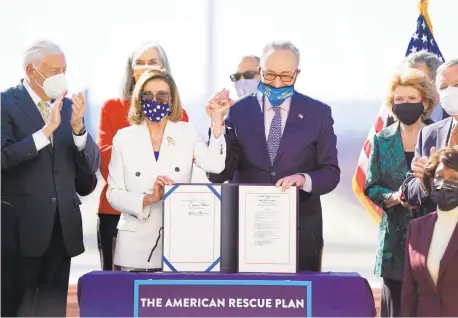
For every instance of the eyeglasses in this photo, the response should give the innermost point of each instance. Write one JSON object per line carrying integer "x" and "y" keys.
{"x": 283, "y": 77}
{"x": 246, "y": 75}
{"x": 161, "y": 97}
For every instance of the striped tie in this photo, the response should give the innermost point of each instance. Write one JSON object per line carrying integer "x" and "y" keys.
{"x": 44, "y": 111}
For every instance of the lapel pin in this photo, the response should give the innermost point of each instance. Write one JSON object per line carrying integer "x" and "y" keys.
{"x": 300, "y": 116}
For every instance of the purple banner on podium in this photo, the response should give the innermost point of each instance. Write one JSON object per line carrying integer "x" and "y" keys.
{"x": 222, "y": 298}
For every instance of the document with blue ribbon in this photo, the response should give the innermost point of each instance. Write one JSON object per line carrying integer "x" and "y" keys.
{"x": 192, "y": 228}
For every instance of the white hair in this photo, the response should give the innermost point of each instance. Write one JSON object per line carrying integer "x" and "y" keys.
{"x": 36, "y": 52}
{"x": 280, "y": 45}
{"x": 442, "y": 68}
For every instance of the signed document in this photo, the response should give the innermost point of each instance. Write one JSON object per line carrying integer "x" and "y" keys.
{"x": 192, "y": 227}
{"x": 267, "y": 229}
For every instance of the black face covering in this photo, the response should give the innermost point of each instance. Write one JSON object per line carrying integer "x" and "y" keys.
{"x": 408, "y": 113}
{"x": 445, "y": 194}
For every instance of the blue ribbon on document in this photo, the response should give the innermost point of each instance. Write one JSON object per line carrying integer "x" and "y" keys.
{"x": 164, "y": 259}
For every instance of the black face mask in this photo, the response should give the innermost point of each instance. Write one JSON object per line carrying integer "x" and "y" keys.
{"x": 408, "y": 113}
{"x": 445, "y": 194}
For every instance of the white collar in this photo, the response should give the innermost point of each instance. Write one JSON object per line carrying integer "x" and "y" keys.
{"x": 36, "y": 99}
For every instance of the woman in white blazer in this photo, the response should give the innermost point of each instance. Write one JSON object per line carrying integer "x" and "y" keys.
{"x": 156, "y": 150}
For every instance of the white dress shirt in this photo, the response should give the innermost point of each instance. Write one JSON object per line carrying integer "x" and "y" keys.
{"x": 269, "y": 113}
{"x": 39, "y": 137}
{"x": 443, "y": 230}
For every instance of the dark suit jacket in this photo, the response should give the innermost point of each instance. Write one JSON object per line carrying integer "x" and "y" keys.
{"x": 435, "y": 135}
{"x": 386, "y": 170}
{"x": 10, "y": 295}
{"x": 308, "y": 145}
{"x": 85, "y": 182}
{"x": 41, "y": 183}
{"x": 420, "y": 298}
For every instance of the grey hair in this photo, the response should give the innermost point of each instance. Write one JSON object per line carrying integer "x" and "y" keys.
{"x": 255, "y": 57}
{"x": 128, "y": 82}
{"x": 280, "y": 45}
{"x": 431, "y": 61}
{"x": 449, "y": 63}
{"x": 38, "y": 49}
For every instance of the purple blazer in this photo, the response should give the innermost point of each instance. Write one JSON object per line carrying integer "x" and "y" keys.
{"x": 308, "y": 145}
{"x": 420, "y": 298}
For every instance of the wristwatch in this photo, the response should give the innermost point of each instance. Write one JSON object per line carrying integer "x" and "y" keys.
{"x": 81, "y": 132}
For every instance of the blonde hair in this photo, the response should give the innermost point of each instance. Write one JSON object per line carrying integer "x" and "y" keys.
{"x": 136, "y": 115}
{"x": 414, "y": 78}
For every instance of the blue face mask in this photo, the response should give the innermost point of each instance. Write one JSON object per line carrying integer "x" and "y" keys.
{"x": 155, "y": 111}
{"x": 276, "y": 95}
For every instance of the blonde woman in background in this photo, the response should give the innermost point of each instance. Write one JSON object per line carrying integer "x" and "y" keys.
{"x": 411, "y": 99}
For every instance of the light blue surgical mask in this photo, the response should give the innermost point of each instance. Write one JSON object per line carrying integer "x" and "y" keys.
{"x": 276, "y": 95}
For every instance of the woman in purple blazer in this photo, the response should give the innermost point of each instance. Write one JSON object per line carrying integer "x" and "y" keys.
{"x": 430, "y": 286}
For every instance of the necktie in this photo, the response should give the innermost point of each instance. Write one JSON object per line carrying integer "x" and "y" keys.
{"x": 273, "y": 140}
{"x": 453, "y": 140}
{"x": 44, "y": 111}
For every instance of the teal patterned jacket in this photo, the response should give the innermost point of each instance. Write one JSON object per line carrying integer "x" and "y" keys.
{"x": 386, "y": 171}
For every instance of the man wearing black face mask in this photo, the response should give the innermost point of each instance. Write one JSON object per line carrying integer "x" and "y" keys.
{"x": 282, "y": 137}
{"x": 431, "y": 272}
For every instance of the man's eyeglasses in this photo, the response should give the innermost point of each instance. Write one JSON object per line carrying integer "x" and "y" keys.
{"x": 246, "y": 75}
{"x": 161, "y": 97}
{"x": 283, "y": 77}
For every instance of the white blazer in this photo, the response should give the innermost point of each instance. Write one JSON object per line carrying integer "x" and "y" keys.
{"x": 133, "y": 170}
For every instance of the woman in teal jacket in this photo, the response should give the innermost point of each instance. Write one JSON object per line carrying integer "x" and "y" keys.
{"x": 411, "y": 99}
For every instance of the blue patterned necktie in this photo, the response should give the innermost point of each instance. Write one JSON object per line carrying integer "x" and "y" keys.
{"x": 273, "y": 140}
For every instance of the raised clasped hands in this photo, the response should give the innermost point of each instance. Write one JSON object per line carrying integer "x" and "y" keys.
{"x": 218, "y": 106}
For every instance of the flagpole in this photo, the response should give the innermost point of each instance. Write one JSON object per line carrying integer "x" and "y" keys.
{"x": 423, "y": 7}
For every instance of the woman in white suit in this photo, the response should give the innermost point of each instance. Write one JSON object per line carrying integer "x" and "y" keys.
{"x": 157, "y": 150}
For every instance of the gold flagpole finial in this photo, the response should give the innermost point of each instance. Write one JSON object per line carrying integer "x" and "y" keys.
{"x": 423, "y": 7}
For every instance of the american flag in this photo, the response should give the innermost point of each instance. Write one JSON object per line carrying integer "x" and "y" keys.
{"x": 422, "y": 40}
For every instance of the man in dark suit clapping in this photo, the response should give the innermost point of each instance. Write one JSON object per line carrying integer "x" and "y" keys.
{"x": 45, "y": 147}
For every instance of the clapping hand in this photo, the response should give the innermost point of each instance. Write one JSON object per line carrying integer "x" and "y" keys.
{"x": 419, "y": 166}
{"x": 54, "y": 117}
{"x": 78, "y": 110}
